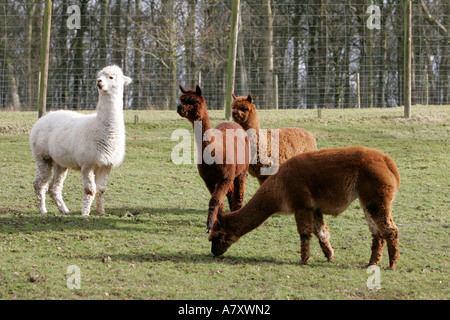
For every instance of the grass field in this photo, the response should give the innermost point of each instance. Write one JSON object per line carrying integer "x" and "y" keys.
{"x": 152, "y": 244}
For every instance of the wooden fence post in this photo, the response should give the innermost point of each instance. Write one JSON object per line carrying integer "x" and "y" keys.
{"x": 276, "y": 91}
{"x": 232, "y": 56}
{"x": 45, "y": 52}
{"x": 358, "y": 91}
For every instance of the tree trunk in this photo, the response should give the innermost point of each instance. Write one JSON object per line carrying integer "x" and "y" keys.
{"x": 407, "y": 57}
{"x": 323, "y": 56}
{"x": 78, "y": 64}
{"x": 103, "y": 50}
{"x": 371, "y": 69}
{"x": 172, "y": 58}
{"x": 311, "y": 68}
{"x": 266, "y": 58}
{"x": 14, "y": 89}
{"x": 31, "y": 10}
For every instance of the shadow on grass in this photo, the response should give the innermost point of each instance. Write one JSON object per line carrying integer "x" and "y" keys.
{"x": 18, "y": 222}
{"x": 208, "y": 258}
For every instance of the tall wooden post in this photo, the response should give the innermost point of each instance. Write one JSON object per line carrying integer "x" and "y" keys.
{"x": 407, "y": 58}
{"x": 276, "y": 91}
{"x": 45, "y": 53}
{"x": 232, "y": 56}
{"x": 358, "y": 91}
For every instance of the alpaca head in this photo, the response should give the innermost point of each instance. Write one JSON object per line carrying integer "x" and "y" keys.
{"x": 220, "y": 238}
{"x": 110, "y": 80}
{"x": 243, "y": 110}
{"x": 192, "y": 106}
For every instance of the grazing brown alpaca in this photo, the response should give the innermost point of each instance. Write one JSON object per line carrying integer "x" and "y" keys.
{"x": 316, "y": 183}
{"x": 225, "y": 178}
{"x": 291, "y": 140}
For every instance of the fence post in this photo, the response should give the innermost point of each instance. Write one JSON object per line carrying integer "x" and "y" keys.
{"x": 232, "y": 56}
{"x": 407, "y": 58}
{"x": 358, "y": 91}
{"x": 426, "y": 89}
{"x": 276, "y": 91}
{"x": 45, "y": 52}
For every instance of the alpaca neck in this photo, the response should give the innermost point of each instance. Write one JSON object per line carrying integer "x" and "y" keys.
{"x": 205, "y": 125}
{"x": 260, "y": 207}
{"x": 252, "y": 127}
{"x": 252, "y": 124}
{"x": 110, "y": 110}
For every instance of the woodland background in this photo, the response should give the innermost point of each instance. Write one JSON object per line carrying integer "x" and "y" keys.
{"x": 312, "y": 51}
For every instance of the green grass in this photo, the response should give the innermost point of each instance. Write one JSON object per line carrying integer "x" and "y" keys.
{"x": 153, "y": 245}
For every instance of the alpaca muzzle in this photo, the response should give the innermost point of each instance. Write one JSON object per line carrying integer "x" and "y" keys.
{"x": 181, "y": 111}
{"x": 218, "y": 247}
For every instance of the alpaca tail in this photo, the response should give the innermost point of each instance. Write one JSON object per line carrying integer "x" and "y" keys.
{"x": 393, "y": 168}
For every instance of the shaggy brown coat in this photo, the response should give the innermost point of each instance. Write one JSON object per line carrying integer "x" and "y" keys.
{"x": 316, "y": 183}
{"x": 223, "y": 179}
{"x": 291, "y": 140}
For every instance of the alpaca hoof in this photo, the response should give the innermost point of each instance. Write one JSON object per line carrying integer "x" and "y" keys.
{"x": 331, "y": 259}
{"x": 303, "y": 263}
{"x": 390, "y": 268}
{"x": 208, "y": 230}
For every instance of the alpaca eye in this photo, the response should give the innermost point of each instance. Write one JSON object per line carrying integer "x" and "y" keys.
{"x": 111, "y": 77}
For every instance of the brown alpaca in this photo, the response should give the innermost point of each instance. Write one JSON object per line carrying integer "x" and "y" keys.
{"x": 225, "y": 178}
{"x": 316, "y": 183}
{"x": 291, "y": 141}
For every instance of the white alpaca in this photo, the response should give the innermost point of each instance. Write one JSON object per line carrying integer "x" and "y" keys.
{"x": 93, "y": 143}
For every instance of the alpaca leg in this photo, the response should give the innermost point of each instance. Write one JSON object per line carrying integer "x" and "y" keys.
{"x": 379, "y": 218}
{"x": 230, "y": 198}
{"x": 89, "y": 189}
{"x": 101, "y": 180}
{"x": 322, "y": 233}
{"x": 56, "y": 186}
{"x": 43, "y": 174}
{"x": 239, "y": 191}
{"x": 217, "y": 202}
{"x": 377, "y": 241}
{"x": 305, "y": 227}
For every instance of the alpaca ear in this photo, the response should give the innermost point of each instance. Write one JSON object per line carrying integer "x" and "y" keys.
{"x": 234, "y": 97}
{"x": 127, "y": 80}
{"x": 249, "y": 98}
{"x": 198, "y": 91}
{"x": 182, "y": 89}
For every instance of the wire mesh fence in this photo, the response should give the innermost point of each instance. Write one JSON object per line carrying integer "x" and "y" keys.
{"x": 312, "y": 53}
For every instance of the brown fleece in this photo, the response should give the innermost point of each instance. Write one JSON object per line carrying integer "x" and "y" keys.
{"x": 315, "y": 183}
{"x": 227, "y": 178}
{"x": 291, "y": 140}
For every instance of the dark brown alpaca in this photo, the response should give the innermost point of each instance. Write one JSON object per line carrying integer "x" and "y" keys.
{"x": 316, "y": 183}
{"x": 225, "y": 178}
{"x": 291, "y": 140}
